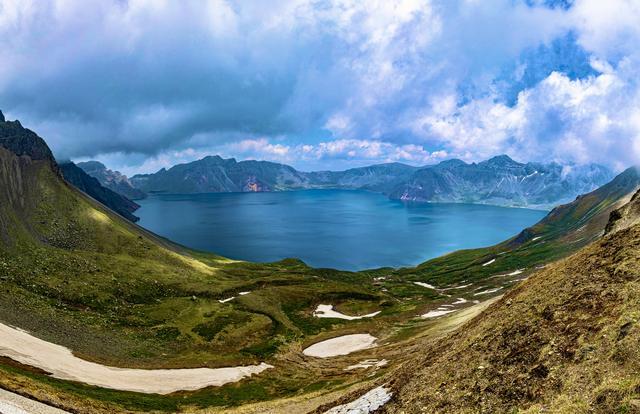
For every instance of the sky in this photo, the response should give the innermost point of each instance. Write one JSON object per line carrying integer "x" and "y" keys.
{"x": 325, "y": 84}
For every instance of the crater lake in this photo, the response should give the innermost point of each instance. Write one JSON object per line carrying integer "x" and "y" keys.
{"x": 342, "y": 229}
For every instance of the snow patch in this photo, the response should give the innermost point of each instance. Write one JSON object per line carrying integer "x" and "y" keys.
{"x": 341, "y": 345}
{"x": 326, "y": 311}
{"x": 436, "y": 313}
{"x": 489, "y": 262}
{"x": 458, "y": 287}
{"x": 426, "y": 285}
{"x": 486, "y": 292}
{"x": 367, "y": 363}
{"x": 366, "y": 404}
{"x": 227, "y": 299}
{"x": 62, "y": 364}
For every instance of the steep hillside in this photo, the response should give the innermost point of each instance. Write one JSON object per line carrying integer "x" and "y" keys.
{"x": 91, "y": 186}
{"x": 113, "y": 180}
{"x": 565, "y": 341}
{"x": 502, "y": 181}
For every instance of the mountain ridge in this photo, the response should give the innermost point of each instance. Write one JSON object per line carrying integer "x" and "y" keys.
{"x": 499, "y": 180}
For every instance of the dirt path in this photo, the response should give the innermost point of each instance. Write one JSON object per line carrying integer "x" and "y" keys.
{"x": 61, "y": 363}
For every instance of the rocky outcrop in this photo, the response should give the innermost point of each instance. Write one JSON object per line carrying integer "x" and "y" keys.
{"x": 626, "y": 216}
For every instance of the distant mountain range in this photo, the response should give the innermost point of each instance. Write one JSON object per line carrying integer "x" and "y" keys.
{"x": 497, "y": 181}
{"x": 502, "y": 181}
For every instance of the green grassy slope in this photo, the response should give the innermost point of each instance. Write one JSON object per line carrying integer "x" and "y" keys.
{"x": 564, "y": 341}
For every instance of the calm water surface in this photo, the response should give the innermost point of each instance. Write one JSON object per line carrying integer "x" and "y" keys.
{"x": 341, "y": 229}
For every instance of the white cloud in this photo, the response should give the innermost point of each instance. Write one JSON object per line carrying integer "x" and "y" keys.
{"x": 389, "y": 80}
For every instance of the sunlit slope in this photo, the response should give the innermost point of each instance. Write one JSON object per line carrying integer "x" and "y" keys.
{"x": 566, "y": 340}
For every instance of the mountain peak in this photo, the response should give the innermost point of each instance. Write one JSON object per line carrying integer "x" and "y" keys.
{"x": 2, "y": 117}
{"x": 502, "y": 160}
{"x": 22, "y": 141}
{"x": 454, "y": 162}
{"x": 92, "y": 165}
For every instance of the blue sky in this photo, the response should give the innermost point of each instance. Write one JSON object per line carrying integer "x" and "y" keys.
{"x": 330, "y": 84}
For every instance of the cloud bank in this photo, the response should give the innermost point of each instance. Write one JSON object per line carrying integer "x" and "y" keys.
{"x": 142, "y": 84}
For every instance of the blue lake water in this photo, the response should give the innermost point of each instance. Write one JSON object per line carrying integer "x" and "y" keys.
{"x": 351, "y": 230}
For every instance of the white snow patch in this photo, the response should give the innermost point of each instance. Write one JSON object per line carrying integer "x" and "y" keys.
{"x": 367, "y": 363}
{"x": 341, "y": 345}
{"x": 326, "y": 311}
{"x": 486, "y": 292}
{"x": 460, "y": 301}
{"x": 426, "y": 285}
{"x": 516, "y": 272}
{"x": 244, "y": 293}
{"x": 436, "y": 313}
{"x": 62, "y": 364}
{"x": 458, "y": 287}
{"x": 366, "y": 404}
{"x": 227, "y": 299}
{"x": 536, "y": 238}
{"x": 489, "y": 262}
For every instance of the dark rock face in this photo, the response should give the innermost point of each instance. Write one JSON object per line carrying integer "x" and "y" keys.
{"x": 113, "y": 180}
{"x": 92, "y": 187}
{"x": 22, "y": 141}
